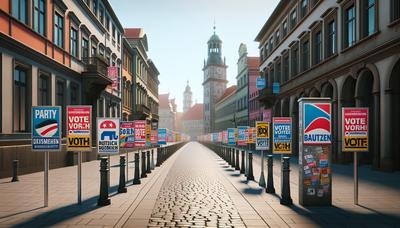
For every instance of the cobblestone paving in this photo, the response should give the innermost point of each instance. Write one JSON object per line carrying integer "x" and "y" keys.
{"x": 193, "y": 196}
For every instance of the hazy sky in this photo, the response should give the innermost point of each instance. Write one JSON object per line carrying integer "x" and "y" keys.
{"x": 178, "y": 31}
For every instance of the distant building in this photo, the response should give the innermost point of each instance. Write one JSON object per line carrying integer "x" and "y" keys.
{"x": 192, "y": 121}
{"x": 167, "y": 112}
{"x": 225, "y": 110}
{"x": 348, "y": 51}
{"x": 187, "y": 98}
{"x": 242, "y": 79}
{"x": 214, "y": 83}
{"x": 255, "y": 108}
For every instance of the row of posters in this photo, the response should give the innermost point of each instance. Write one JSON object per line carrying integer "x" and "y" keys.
{"x": 112, "y": 134}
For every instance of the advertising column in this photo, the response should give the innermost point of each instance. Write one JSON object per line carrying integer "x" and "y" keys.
{"x": 315, "y": 171}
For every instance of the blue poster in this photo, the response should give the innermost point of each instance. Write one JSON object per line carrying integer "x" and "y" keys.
{"x": 46, "y": 128}
{"x": 231, "y": 136}
{"x": 162, "y": 136}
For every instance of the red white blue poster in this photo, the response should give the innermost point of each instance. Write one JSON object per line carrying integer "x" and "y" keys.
{"x": 317, "y": 123}
{"x": 140, "y": 133}
{"x": 108, "y": 135}
{"x": 46, "y": 128}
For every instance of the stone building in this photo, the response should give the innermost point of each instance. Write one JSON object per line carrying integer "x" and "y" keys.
{"x": 187, "y": 98}
{"x": 242, "y": 80}
{"x": 167, "y": 112}
{"x": 143, "y": 88}
{"x": 55, "y": 53}
{"x": 192, "y": 121}
{"x": 255, "y": 111}
{"x": 225, "y": 110}
{"x": 347, "y": 50}
{"x": 214, "y": 80}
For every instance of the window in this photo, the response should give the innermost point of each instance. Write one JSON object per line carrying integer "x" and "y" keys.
{"x": 108, "y": 23}
{"x": 85, "y": 48}
{"x": 284, "y": 28}
{"x": 101, "y": 14}
{"x": 266, "y": 50}
{"x": 101, "y": 50}
{"x": 395, "y": 12}
{"x": 285, "y": 72}
{"x": 277, "y": 35}
{"x": 20, "y": 100}
{"x": 118, "y": 38}
{"x": 271, "y": 45}
{"x": 74, "y": 42}
{"x": 94, "y": 50}
{"x": 305, "y": 55}
{"x": 293, "y": 19}
{"x": 60, "y": 100}
{"x": 294, "y": 62}
{"x": 113, "y": 31}
{"x": 317, "y": 47}
{"x": 20, "y": 10}
{"x": 278, "y": 73}
{"x": 331, "y": 38}
{"x": 304, "y": 8}
{"x": 74, "y": 94}
{"x": 39, "y": 13}
{"x": 44, "y": 90}
{"x": 271, "y": 76}
{"x": 350, "y": 26}
{"x": 94, "y": 7}
{"x": 368, "y": 18}
{"x": 58, "y": 30}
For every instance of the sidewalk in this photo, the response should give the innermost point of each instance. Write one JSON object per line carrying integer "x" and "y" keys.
{"x": 21, "y": 203}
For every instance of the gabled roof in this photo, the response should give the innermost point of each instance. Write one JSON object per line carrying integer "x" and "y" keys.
{"x": 253, "y": 62}
{"x": 194, "y": 113}
{"x": 229, "y": 91}
{"x": 134, "y": 33}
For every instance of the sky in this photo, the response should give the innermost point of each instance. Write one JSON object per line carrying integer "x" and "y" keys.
{"x": 178, "y": 31}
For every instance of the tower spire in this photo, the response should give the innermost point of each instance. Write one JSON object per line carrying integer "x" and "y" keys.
{"x": 214, "y": 26}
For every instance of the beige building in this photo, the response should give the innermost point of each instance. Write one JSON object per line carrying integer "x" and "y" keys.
{"x": 192, "y": 121}
{"x": 167, "y": 112}
{"x": 348, "y": 50}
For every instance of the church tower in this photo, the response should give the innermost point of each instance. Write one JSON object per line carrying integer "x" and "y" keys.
{"x": 214, "y": 83}
{"x": 187, "y": 97}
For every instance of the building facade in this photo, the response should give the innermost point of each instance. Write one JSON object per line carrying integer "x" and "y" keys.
{"x": 242, "y": 79}
{"x": 143, "y": 89}
{"x": 255, "y": 110}
{"x": 347, "y": 50}
{"x": 225, "y": 110}
{"x": 192, "y": 121}
{"x": 55, "y": 52}
{"x": 167, "y": 112}
{"x": 214, "y": 83}
{"x": 187, "y": 97}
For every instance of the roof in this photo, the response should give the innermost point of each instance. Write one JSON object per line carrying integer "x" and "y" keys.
{"x": 194, "y": 113}
{"x": 163, "y": 100}
{"x": 269, "y": 22}
{"x": 253, "y": 62}
{"x": 134, "y": 33}
{"x": 229, "y": 91}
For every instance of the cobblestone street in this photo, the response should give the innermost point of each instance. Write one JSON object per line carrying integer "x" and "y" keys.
{"x": 193, "y": 195}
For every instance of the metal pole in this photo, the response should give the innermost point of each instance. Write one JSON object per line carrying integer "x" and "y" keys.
{"x": 109, "y": 170}
{"x": 46, "y": 179}
{"x": 261, "y": 183}
{"x": 79, "y": 177}
{"x": 127, "y": 166}
{"x": 355, "y": 179}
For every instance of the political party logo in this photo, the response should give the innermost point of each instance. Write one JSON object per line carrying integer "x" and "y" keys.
{"x": 282, "y": 132}
{"x": 317, "y": 123}
{"x": 162, "y": 136}
{"x": 79, "y": 128}
{"x": 108, "y": 135}
{"x": 127, "y": 135}
{"x": 46, "y": 128}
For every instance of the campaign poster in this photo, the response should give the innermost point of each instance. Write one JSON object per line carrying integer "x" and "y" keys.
{"x": 107, "y": 135}
{"x": 46, "y": 128}
{"x": 127, "y": 135}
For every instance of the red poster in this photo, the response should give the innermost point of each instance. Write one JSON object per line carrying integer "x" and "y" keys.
{"x": 355, "y": 129}
{"x": 153, "y": 137}
{"x": 140, "y": 133}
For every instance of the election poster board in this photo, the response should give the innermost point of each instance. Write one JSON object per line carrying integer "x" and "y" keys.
{"x": 79, "y": 127}
{"x": 282, "y": 132}
{"x": 140, "y": 133}
{"x": 242, "y": 135}
{"x": 225, "y": 137}
{"x": 315, "y": 170}
{"x": 251, "y": 135}
{"x": 231, "y": 136}
{"x": 153, "y": 137}
{"x": 355, "y": 129}
{"x": 127, "y": 135}
{"x": 107, "y": 135}
{"x": 162, "y": 136}
{"x": 46, "y": 128}
{"x": 262, "y": 135}
{"x": 148, "y": 134}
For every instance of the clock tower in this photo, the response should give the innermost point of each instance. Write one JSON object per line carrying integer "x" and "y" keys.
{"x": 214, "y": 83}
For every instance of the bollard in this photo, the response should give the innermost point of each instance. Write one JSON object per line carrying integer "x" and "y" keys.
{"x": 122, "y": 184}
{"x": 286, "y": 199}
{"x": 243, "y": 167}
{"x": 237, "y": 167}
{"x": 103, "y": 198}
{"x": 270, "y": 179}
{"x": 250, "y": 175}
{"x": 15, "y": 171}
{"x": 143, "y": 165}
{"x": 148, "y": 168}
{"x": 152, "y": 159}
{"x": 136, "y": 179}
{"x": 233, "y": 158}
{"x": 158, "y": 156}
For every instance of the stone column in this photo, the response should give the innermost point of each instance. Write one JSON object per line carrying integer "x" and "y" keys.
{"x": 386, "y": 156}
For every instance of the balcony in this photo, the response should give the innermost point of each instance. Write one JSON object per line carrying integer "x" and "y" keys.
{"x": 94, "y": 76}
{"x": 155, "y": 117}
{"x": 141, "y": 111}
{"x": 267, "y": 97}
